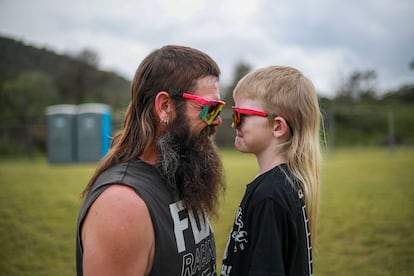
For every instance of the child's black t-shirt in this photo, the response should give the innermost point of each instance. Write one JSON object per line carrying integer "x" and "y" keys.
{"x": 270, "y": 235}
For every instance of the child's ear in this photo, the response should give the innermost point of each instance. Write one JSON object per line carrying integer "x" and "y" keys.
{"x": 280, "y": 127}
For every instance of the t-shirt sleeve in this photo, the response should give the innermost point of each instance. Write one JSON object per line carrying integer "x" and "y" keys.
{"x": 269, "y": 238}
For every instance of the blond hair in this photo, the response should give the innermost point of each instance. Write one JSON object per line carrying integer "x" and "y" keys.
{"x": 285, "y": 91}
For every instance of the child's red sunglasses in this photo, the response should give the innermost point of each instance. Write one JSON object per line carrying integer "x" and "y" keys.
{"x": 239, "y": 112}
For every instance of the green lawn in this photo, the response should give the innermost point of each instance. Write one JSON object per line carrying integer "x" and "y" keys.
{"x": 366, "y": 217}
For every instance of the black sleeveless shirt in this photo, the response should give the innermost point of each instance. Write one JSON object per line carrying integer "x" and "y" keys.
{"x": 184, "y": 245}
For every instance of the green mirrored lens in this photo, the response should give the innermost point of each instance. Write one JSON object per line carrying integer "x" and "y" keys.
{"x": 209, "y": 113}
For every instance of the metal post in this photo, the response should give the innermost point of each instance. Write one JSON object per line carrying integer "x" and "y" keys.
{"x": 391, "y": 131}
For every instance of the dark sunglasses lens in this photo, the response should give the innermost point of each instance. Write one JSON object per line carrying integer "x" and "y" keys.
{"x": 212, "y": 109}
{"x": 236, "y": 118}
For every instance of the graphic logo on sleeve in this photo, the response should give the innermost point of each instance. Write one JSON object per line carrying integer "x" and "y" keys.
{"x": 204, "y": 253}
{"x": 237, "y": 241}
{"x": 238, "y": 234}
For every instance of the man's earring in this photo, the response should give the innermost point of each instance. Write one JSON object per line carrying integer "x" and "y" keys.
{"x": 164, "y": 122}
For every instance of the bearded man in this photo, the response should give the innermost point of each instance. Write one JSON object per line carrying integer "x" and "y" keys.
{"x": 146, "y": 209}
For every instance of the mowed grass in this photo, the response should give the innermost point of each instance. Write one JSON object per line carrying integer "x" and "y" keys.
{"x": 366, "y": 212}
{"x": 38, "y": 211}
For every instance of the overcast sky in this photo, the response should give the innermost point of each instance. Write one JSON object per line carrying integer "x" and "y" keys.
{"x": 325, "y": 39}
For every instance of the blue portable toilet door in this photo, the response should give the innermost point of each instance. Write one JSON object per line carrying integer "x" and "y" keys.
{"x": 89, "y": 137}
{"x": 93, "y": 131}
{"x": 106, "y": 133}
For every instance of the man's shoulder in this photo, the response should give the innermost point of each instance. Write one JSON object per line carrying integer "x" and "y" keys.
{"x": 118, "y": 221}
{"x": 127, "y": 172}
{"x": 122, "y": 197}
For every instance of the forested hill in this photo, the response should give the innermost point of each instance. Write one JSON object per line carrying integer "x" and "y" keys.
{"x": 32, "y": 79}
{"x": 62, "y": 78}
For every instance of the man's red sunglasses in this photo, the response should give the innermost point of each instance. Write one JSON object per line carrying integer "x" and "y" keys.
{"x": 210, "y": 110}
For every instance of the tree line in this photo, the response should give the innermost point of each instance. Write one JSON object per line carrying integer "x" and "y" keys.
{"x": 32, "y": 79}
{"x": 357, "y": 114}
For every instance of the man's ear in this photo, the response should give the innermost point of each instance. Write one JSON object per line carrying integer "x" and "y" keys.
{"x": 280, "y": 127}
{"x": 163, "y": 106}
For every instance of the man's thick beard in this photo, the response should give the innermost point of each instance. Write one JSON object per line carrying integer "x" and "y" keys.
{"x": 191, "y": 165}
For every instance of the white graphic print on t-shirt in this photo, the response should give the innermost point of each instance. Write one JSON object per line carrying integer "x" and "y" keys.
{"x": 205, "y": 249}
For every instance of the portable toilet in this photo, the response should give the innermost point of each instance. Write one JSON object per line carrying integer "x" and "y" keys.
{"x": 93, "y": 131}
{"x": 61, "y": 133}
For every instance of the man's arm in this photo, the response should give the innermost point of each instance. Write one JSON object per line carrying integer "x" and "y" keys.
{"x": 117, "y": 234}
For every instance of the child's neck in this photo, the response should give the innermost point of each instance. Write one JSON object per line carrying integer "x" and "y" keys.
{"x": 269, "y": 161}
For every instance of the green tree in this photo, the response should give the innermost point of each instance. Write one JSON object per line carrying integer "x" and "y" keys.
{"x": 89, "y": 57}
{"x": 360, "y": 85}
{"x": 242, "y": 68}
{"x": 80, "y": 81}
{"x": 26, "y": 97}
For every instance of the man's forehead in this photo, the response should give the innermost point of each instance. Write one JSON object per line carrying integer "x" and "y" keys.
{"x": 208, "y": 87}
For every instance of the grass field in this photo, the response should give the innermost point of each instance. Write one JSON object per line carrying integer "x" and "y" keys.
{"x": 366, "y": 212}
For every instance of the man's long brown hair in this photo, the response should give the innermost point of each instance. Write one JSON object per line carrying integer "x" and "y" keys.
{"x": 175, "y": 69}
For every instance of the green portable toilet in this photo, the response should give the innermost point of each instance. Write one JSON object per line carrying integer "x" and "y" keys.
{"x": 93, "y": 131}
{"x": 61, "y": 136}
